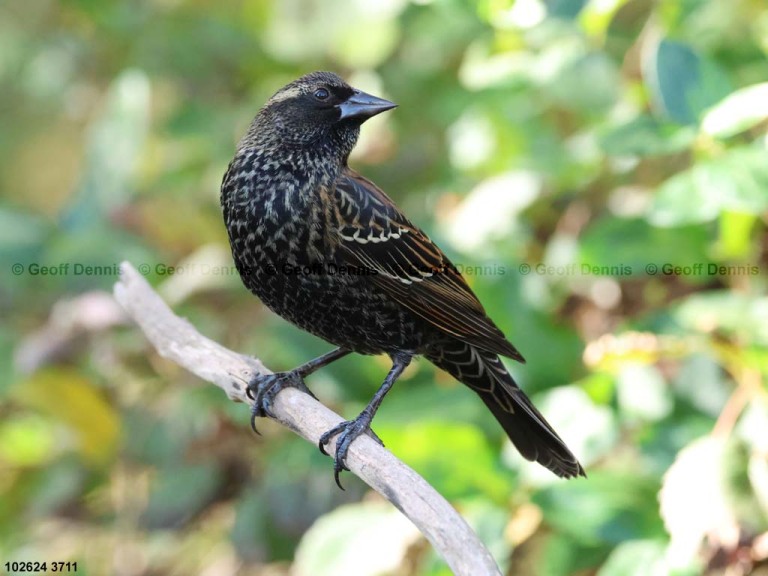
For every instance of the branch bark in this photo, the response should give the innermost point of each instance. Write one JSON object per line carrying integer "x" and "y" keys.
{"x": 177, "y": 339}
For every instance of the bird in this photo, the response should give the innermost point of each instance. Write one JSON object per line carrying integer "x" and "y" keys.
{"x": 329, "y": 251}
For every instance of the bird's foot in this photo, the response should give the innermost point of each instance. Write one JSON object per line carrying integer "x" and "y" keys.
{"x": 263, "y": 388}
{"x": 347, "y": 432}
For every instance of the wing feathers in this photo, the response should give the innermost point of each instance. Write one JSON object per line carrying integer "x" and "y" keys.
{"x": 374, "y": 233}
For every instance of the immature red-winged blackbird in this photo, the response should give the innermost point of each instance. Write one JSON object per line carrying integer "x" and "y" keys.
{"x": 297, "y": 215}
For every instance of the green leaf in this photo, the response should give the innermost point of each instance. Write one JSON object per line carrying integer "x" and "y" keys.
{"x": 637, "y": 558}
{"x": 489, "y": 523}
{"x": 736, "y": 181}
{"x": 645, "y": 136}
{"x": 297, "y": 487}
{"x": 742, "y": 317}
{"x": 734, "y": 242}
{"x": 455, "y": 458}
{"x": 739, "y": 474}
{"x": 357, "y": 35}
{"x": 55, "y": 486}
{"x": 588, "y": 85}
{"x": 597, "y": 17}
{"x": 366, "y": 539}
{"x": 566, "y": 9}
{"x": 80, "y": 405}
{"x": 624, "y": 247}
{"x": 562, "y": 556}
{"x": 180, "y": 492}
{"x": 608, "y": 508}
{"x": 249, "y": 534}
{"x": 692, "y": 499}
{"x": 701, "y": 382}
{"x": 21, "y": 235}
{"x": 642, "y": 393}
{"x": 682, "y": 83}
{"x": 116, "y": 142}
{"x": 26, "y": 440}
{"x": 737, "y": 112}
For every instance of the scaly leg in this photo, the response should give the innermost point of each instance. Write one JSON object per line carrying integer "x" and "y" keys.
{"x": 351, "y": 429}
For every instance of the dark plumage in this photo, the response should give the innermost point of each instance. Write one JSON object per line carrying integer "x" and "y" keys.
{"x": 295, "y": 213}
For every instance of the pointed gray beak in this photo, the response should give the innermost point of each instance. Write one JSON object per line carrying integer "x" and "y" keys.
{"x": 363, "y": 106}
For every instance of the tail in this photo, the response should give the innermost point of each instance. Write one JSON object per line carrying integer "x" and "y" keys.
{"x": 528, "y": 430}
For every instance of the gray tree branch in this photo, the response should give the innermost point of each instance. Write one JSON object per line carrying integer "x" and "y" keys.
{"x": 177, "y": 339}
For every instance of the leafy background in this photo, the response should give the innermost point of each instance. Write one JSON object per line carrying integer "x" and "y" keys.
{"x": 598, "y": 167}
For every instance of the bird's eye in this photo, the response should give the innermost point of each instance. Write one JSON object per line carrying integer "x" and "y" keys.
{"x": 322, "y": 94}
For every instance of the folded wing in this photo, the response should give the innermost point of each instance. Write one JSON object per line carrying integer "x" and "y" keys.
{"x": 374, "y": 233}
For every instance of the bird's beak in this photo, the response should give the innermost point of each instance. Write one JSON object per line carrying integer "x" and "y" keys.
{"x": 363, "y": 106}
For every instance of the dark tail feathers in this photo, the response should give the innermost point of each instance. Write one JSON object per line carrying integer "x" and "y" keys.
{"x": 526, "y": 427}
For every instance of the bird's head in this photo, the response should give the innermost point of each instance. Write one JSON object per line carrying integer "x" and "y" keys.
{"x": 318, "y": 109}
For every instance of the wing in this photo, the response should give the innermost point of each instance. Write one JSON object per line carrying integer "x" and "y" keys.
{"x": 373, "y": 233}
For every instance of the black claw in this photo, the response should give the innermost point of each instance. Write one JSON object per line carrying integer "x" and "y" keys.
{"x": 265, "y": 394}
{"x": 263, "y": 388}
{"x": 347, "y": 431}
{"x": 336, "y": 471}
{"x": 326, "y": 438}
{"x": 254, "y": 415}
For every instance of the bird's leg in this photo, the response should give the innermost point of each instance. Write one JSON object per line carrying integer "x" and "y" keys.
{"x": 263, "y": 388}
{"x": 351, "y": 429}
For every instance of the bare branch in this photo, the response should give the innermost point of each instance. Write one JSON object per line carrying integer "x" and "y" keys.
{"x": 176, "y": 339}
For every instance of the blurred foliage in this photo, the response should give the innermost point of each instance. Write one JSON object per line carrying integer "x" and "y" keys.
{"x": 598, "y": 167}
